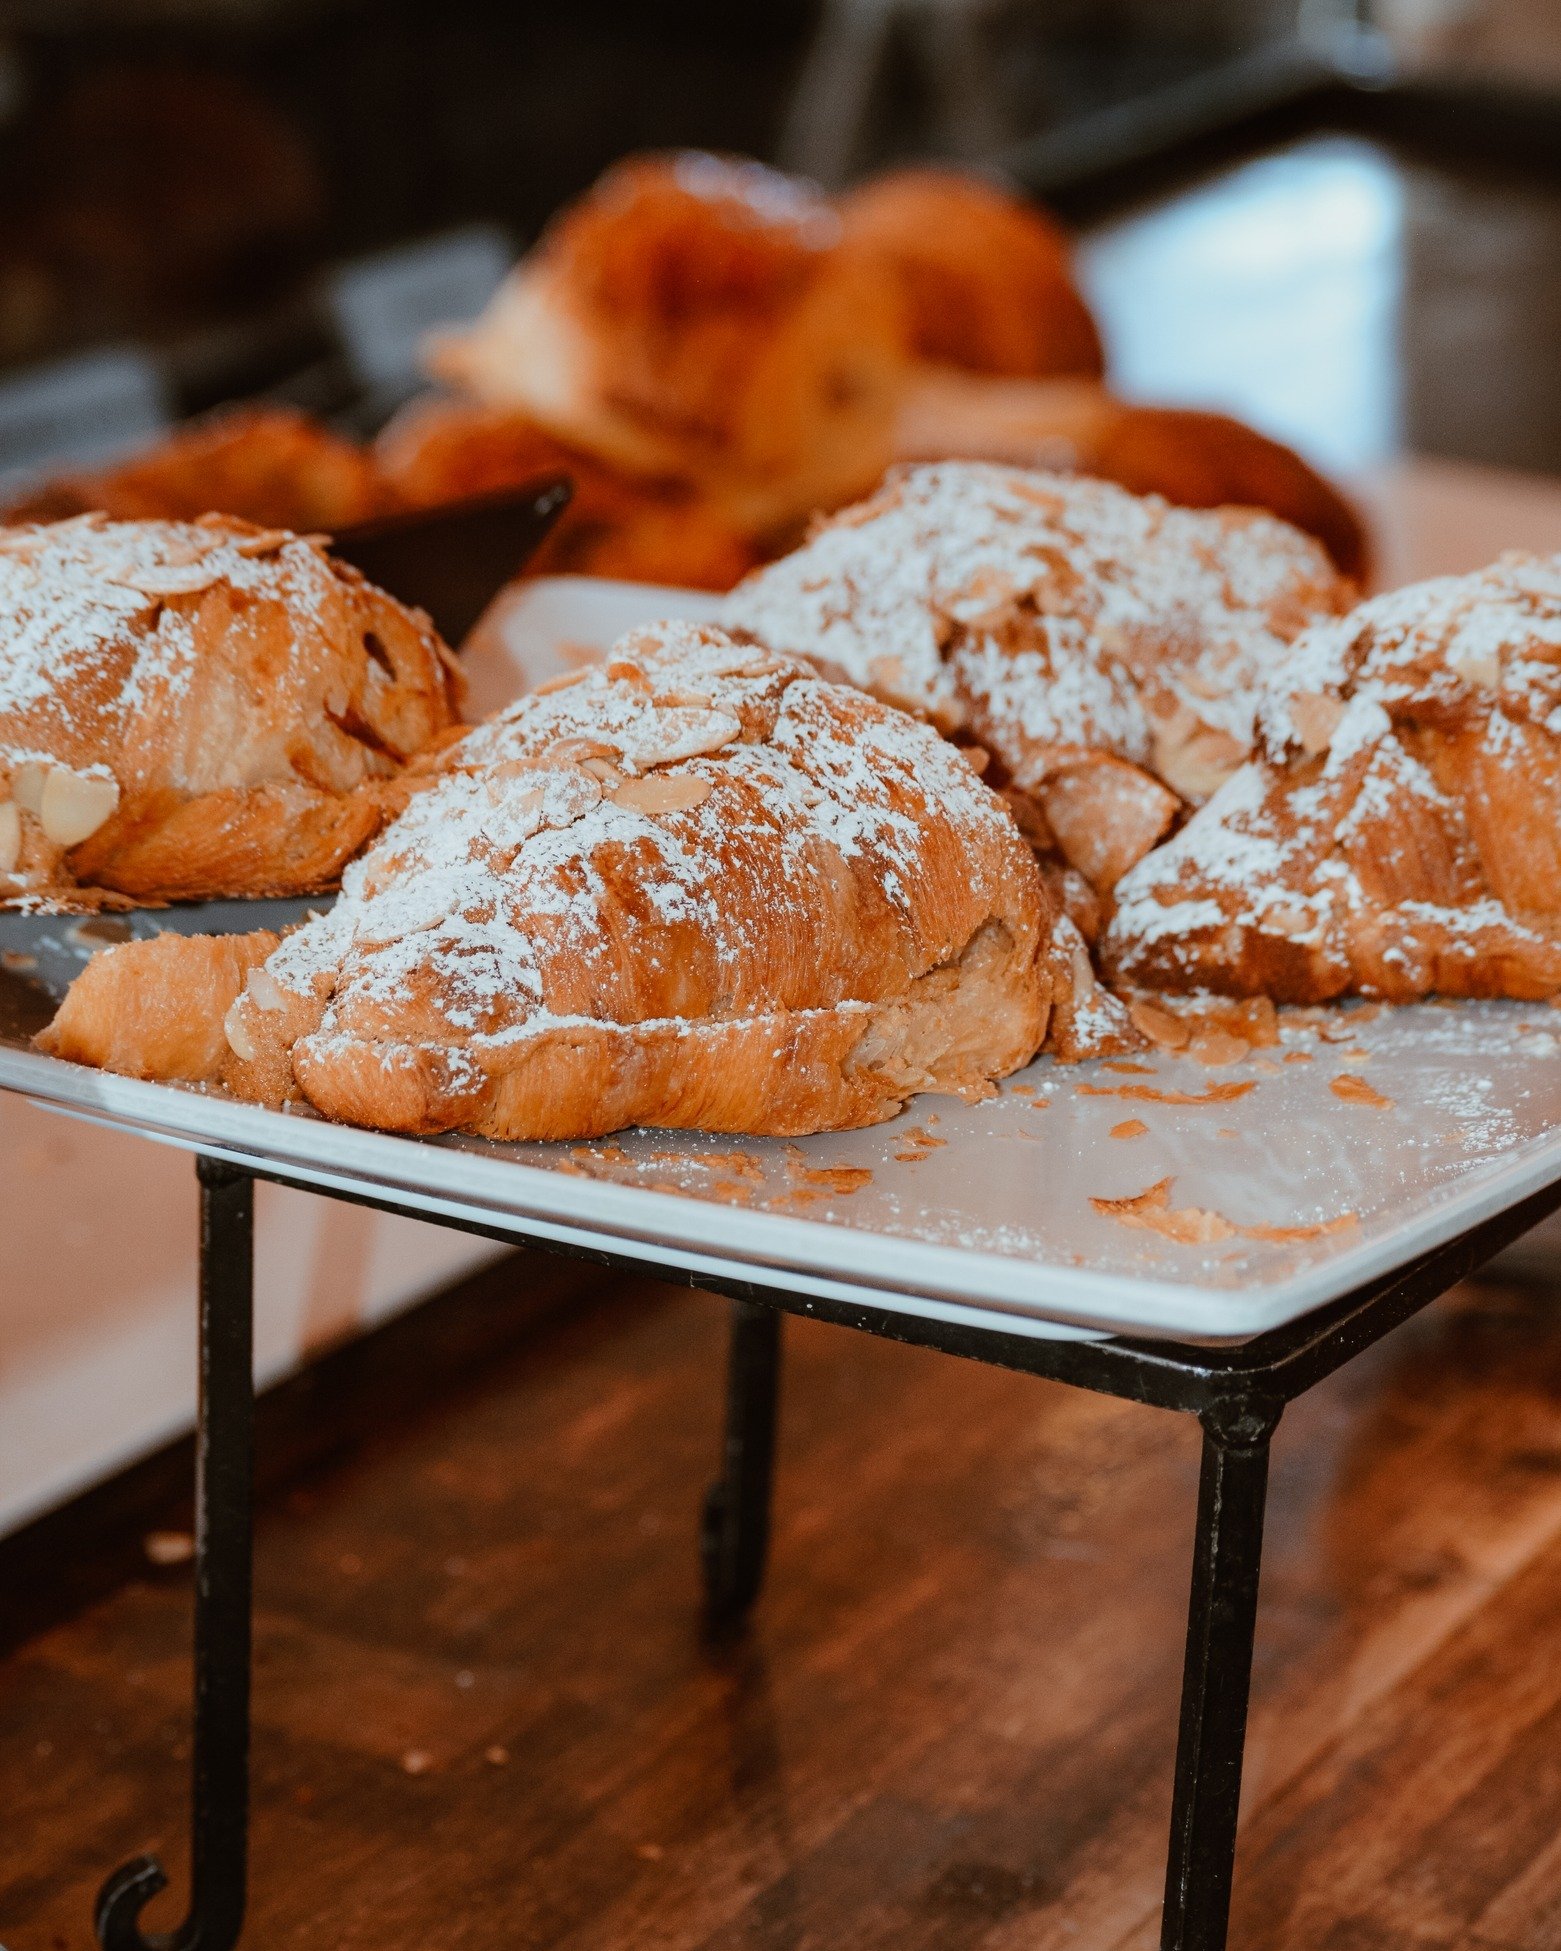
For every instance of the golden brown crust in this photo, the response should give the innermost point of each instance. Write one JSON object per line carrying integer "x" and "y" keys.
{"x": 697, "y": 887}
{"x": 1095, "y": 644}
{"x": 156, "y": 1008}
{"x": 985, "y": 278}
{"x": 270, "y": 465}
{"x": 695, "y": 319}
{"x": 1398, "y": 832}
{"x": 438, "y": 449}
{"x": 203, "y": 708}
{"x": 1208, "y": 460}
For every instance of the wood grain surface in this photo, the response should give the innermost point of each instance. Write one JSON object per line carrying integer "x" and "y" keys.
{"x": 487, "y": 1714}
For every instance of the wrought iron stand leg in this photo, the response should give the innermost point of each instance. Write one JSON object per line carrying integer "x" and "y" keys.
{"x": 223, "y": 1478}
{"x": 736, "y": 1529}
{"x": 1222, "y": 1615}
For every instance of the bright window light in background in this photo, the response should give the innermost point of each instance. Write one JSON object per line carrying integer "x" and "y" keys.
{"x": 1273, "y": 294}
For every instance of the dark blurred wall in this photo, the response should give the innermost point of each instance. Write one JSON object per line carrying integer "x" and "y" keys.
{"x": 167, "y": 165}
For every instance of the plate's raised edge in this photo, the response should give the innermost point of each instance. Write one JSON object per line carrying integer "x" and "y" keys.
{"x": 770, "y": 1249}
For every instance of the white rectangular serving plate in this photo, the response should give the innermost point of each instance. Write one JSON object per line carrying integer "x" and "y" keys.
{"x": 982, "y": 1212}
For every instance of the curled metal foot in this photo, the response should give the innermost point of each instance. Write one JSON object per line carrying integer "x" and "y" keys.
{"x": 116, "y": 1914}
{"x": 223, "y": 1473}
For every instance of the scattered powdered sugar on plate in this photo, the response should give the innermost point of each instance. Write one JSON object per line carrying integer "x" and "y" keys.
{"x": 1295, "y": 1174}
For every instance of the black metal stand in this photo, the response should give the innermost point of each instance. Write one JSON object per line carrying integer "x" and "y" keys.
{"x": 735, "y": 1536}
{"x": 223, "y": 1533}
{"x": 1221, "y": 1619}
{"x": 1237, "y": 1392}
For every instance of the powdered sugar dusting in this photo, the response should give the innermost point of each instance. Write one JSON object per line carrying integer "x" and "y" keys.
{"x": 1495, "y": 633}
{"x": 1394, "y": 832}
{"x": 493, "y": 898}
{"x": 1039, "y": 610}
{"x": 81, "y": 602}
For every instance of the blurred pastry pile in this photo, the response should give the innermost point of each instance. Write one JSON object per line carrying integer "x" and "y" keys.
{"x": 716, "y": 354}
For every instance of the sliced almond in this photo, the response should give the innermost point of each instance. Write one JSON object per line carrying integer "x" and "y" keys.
{"x": 239, "y": 1040}
{"x": 267, "y": 542}
{"x": 75, "y": 804}
{"x": 525, "y": 804}
{"x": 170, "y": 579}
{"x": 10, "y": 837}
{"x": 179, "y": 555}
{"x": 744, "y": 660}
{"x": 663, "y": 793}
{"x": 27, "y": 787}
{"x": 562, "y": 682}
{"x": 265, "y": 991}
{"x": 886, "y": 675}
{"x": 689, "y": 700}
{"x": 1159, "y": 1026}
{"x": 1315, "y": 716}
{"x": 577, "y": 750}
{"x": 1216, "y": 1047}
{"x": 679, "y": 732}
{"x": 604, "y": 770}
{"x": 1480, "y": 664}
{"x": 1196, "y": 764}
{"x": 1288, "y": 919}
{"x": 623, "y": 671}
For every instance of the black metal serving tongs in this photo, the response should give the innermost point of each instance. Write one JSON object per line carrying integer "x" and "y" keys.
{"x": 450, "y": 561}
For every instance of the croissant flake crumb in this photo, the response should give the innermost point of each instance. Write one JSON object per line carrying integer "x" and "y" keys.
{"x": 1151, "y": 1211}
{"x": 1213, "y": 1094}
{"x": 1355, "y": 1090}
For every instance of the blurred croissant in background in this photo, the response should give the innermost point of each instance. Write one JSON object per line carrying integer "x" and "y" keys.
{"x": 717, "y": 353}
{"x": 718, "y": 324}
{"x": 700, "y": 320}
